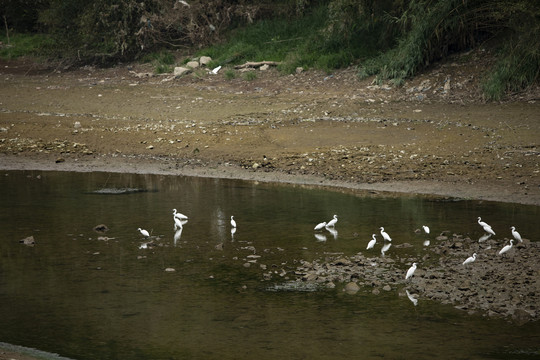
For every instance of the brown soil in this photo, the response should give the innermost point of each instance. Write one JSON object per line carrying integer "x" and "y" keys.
{"x": 433, "y": 135}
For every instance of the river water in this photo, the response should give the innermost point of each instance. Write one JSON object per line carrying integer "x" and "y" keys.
{"x": 192, "y": 295}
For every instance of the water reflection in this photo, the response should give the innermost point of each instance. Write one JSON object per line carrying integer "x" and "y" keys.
{"x": 177, "y": 235}
{"x": 333, "y": 232}
{"x": 87, "y": 298}
{"x": 320, "y": 237}
{"x": 385, "y": 248}
{"x": 412, "y": 298}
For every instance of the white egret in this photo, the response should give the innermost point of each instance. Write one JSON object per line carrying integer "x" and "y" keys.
{"x": 506, "y": 248}
{"x": 332, "y": 222}
{"x": 489, "y": 230}
{"x": 515, "y": 234}
{"x": 233, "y": 223}
{"x": 177, "y": 223}
{"x": 385, "y": 236}
{"x": 470, "y": 259}
{"x": 411, "y": 271}
{"x": 144, "y": 232}
{"x": 178, "y": 215}
{"x": 412, "y": 298}
{"x": 426, "y": 229}
{"x": 481, "y": 223}
{"x": 320, "y": 226}
{"x": 371, "y": 243}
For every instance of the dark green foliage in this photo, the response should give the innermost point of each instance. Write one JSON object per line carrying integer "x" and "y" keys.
{"x": 307, "y": 41}
{"x": 434, "y": 28}
{"x": 392, "y": 39}
{"x": 22, "y": 15}
{"x": 26, "y": 45}
{"x": 518, "y": 64}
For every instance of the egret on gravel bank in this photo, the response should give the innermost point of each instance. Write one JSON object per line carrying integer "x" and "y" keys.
{"x": 470, "y": 259}
{"x": 411, "y": 271}
{"x": 515, "y": 234}
{"x": 506, "y": 248}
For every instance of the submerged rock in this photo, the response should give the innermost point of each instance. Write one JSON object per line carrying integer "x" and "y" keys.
{"x": 29, "y": 241}
{"x": 101, "y": 228}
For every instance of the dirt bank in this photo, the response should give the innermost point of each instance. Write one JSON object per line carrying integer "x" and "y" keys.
{"x": 434, "y": 135}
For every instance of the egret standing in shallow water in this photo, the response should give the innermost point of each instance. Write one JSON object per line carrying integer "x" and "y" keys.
{"x": 481, "y": 223}
{"x": 385, "y": 236}
{"x": 144, "y": 232}
{"x": 332, "y": 222}
{"x": 411, "y": 271}
{"x": 320, "y": 226}
{"x": 426, "y": 229}
{"x": 372, "y": 242}
{"x": 515, "y": 234}
{"x": 506, "y": 248}
{"x": 487, "y": 228}
{"x": 178, "y": 215}
{"x": 470, "y": 259}
{"x": 233, "y": 223}
{"x": 177, "y": 223}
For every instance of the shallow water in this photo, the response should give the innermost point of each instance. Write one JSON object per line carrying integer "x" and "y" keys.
{"x": 85, "y": 298}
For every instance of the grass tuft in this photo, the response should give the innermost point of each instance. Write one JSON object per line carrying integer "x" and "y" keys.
{"x": 33, "y": 45}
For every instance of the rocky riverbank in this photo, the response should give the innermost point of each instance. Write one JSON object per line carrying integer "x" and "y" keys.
{"x": 505, "y": 285}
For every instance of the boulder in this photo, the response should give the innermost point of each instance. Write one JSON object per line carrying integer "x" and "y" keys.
{"x": 205, "y": 60}
{"x": 180, "y": 70}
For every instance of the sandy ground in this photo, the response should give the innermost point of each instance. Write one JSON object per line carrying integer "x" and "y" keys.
{"x": 434, "y": 135}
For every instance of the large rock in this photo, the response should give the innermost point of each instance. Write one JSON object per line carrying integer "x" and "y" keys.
{"x": 180, "y": 70}
{"x": 205, "y": 60}
{"x": 193, "y": 64}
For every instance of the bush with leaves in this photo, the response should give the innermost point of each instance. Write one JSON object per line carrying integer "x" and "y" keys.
{"x": 434, "y": 28}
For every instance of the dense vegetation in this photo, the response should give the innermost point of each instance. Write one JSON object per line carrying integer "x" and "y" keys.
{"x": 392, "y": 39}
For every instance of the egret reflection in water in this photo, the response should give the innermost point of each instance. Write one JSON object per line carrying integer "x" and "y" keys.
{"x": 320, "y": 237}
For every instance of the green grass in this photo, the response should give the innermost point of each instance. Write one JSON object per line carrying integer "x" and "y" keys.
{"x": 20, "y": 45}
{"x": 163, "y": 61}
{"x": 249, "y": 75}
{"x": 230, "y": 74}
{"x": 294, "y": 42}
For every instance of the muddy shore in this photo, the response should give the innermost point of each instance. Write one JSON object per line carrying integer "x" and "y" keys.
{"x": 313, "y": 128}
